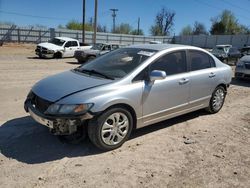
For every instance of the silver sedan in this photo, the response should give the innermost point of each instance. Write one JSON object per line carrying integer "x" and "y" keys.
{"x": 128, "y": 89}
{"x": 242, "y": 69}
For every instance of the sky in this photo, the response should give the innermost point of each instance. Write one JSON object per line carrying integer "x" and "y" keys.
{"x": 51, "y": 13}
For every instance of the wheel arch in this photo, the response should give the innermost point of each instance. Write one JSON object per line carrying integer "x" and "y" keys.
{"x": 223, "y": 85}
{"x": 127, "y": 107}
{"x": 58, "y": 54}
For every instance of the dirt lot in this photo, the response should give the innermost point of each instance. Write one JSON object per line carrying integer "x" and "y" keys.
{"x": 155, "y": 156}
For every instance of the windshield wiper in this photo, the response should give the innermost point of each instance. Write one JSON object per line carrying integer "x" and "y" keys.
{"x": 94, "y": 72}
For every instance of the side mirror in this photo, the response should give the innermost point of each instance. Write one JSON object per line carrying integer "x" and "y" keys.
{"x": 157, "y": 75}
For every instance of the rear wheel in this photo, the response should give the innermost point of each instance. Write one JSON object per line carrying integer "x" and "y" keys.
{"x": 111, "y": 129}
{"x": 217, "y": 100}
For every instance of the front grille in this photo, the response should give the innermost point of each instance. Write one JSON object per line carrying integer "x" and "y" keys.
{"x": 41, "y": 49}
{"x": 247, "y": 65}
{"x": 39, "y": 103}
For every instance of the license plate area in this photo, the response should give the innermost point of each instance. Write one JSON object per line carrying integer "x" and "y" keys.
{"x": 41, "y": 120}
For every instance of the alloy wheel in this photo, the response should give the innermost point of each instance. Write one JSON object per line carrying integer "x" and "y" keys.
{"x": 115, "y": 128}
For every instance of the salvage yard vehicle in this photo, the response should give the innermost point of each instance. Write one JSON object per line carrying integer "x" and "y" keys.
{"x": 245, "y": 50}
{"x": 242, "y": 69}
{"x": 98, "y": 49}
{"x": 60, "y": 47}
{"x": 226, "y": 53}
{"x": 127, "y": 89}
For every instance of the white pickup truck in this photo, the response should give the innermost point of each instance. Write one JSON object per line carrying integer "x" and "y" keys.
{"x": 59, "y": 47}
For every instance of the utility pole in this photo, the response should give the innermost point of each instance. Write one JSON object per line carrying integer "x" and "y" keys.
{"x": 83, "y": 21}
{"x": 138, "y": 26}
{"x": 114, "y": 15}
{"x": 95, "y": 21}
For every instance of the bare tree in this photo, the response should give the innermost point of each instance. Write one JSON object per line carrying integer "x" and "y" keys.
{"x": 199, "y": 29}
{"x": 164, "y": 21}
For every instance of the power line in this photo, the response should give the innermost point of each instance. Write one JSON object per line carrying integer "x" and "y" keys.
{"x": 236, "y": 6}
{"x": 212, "y": 6}
{"x": 33, "y": 16}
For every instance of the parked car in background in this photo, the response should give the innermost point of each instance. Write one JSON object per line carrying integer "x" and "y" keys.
{"x": 245, "y": 50}
{"x": 60, "y": 47}
{"x": 97, "y": 50}
{"x": 155, "y": 42}
{"x": 242, "y": 69}
{"x": 226, "y": 53}
{"x": 127, "y": 89}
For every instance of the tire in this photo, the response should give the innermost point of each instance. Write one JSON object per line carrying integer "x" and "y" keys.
{"x": 108, "y": 133}
{"x": 90, "y": 58}
{"x": 58, "y": 55}
{"x": 217, "y": 100}
{"x": 236, "y": 77}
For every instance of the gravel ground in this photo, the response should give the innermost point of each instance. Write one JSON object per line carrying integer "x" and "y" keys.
{"x": 194, "y": 150}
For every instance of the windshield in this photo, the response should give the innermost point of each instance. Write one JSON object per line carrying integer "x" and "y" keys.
{"x": 119, "y": 63}
{"x": 97, "y": 46}
{"x": 218, "y": 50}
{"x": 57, "y": 42}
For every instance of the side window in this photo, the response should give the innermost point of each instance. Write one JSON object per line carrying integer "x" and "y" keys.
{"x": 173, "y": 63}
{"x": 74, "y": 43}
{"x": 200, "y": 60}
{"x": 107, "y": 47}
{"x": 67, "y": 44}
{"x": 141, "y": 76}
{"x": 115, "y": 47}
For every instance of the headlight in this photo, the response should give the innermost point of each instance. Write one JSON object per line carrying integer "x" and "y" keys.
{"x": 68, "y": 109}
{"x": 240, "y": 64}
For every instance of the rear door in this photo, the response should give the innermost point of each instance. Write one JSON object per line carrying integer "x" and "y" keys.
{"x": 202, "y": 76}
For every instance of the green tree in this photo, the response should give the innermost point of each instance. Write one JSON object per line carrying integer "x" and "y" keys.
{"x": 135, "y": 32}
{"x": 187, "y": 30}
{"x": 218, "y": 28}
{"x": 123, "y": 28}
{"x": 227, "y": 23}
{"x": 164, "y": 21}
{"x": 75, "y": 25}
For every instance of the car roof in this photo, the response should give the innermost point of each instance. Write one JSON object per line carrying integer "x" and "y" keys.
{"x": 159, "y": 47}
{"x": 105, "y": 43}
{"x": 65, "y": 38}
{"x": 224, "y": 45}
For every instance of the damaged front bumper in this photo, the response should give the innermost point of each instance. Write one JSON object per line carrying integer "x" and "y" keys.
{"x": 63, "y": 125}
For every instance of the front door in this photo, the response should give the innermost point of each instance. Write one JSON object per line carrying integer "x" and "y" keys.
{"x": 70, "y": 48}
{"x": 166, "y": 98}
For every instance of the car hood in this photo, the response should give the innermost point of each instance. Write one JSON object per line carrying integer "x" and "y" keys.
{"x": 91, "y": 51}
{"x": 50, "y": 46}
{"x": 53, "y": 88}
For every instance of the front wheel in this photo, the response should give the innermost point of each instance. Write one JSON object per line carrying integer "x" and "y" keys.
{"x": 111, "y": 129}
{"x": 217, "y": 100}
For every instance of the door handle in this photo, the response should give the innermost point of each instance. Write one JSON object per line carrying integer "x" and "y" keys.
{"x": 183, "y": 81}
{"x": 211, "y": 75}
